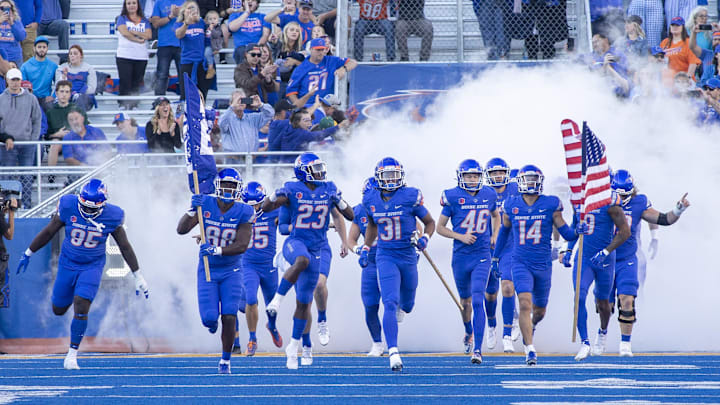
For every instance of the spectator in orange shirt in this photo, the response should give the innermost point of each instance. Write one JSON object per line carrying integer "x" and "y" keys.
{"x": 677, "y": 49}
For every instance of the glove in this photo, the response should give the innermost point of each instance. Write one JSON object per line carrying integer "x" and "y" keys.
{"x": 335, "y": 197}
{"x": 495, "y": 267}
{"x": 207, "y": 249}
{"x": 600, "y": 257}
{"x": 24, "y": 261}
{"x": 364, "y": 259}
{"x": 140, "y": 284}
{"x": 567, "y": 257}
{"x": 196, "y": 201}
{"x": 422, "y": 242}
{"x": 653, "y": 248}
{"x": 554, "y": 253}
{"x": 581, "y": 228}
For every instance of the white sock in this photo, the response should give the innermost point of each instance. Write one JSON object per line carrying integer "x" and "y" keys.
{"x": 393, "y": 350}
{"x": 529, "y": 348}
{"x": 72, "y": 352}
{"x": 222, "y": 361}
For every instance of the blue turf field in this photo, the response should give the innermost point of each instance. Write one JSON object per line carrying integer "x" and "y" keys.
{"x": 657, "y": 379}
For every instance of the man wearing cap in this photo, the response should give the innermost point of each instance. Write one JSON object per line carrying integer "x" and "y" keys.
{"x": 40, "y": 71}
{"x": 328, "y": 105}
{"x": 305, "y": 18}
{"x": 20, "y": 120}
{"x": 317, "y": 73}
{"x": 129, "y": 131}
{"x": 248, "y": 27}
{"x": 255, "y": 80}
{"x": 31, "y": 15}
{"x": 709, "y": 113}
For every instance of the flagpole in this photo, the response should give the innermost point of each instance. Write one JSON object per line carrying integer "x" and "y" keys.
{"x": 196, "y": 183}
{"x": 577, "y": 287}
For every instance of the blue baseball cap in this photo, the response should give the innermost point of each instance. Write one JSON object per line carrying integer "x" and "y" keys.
{"x": 318, "y": 43}
{"x": 656, "y": 50}
{"x": 120, "y": 117}
{"x": 306, "y": 3}
{"x": 677, "y": 21}
{"x": 42, "y": 38}
{"x": 713, "y": 83}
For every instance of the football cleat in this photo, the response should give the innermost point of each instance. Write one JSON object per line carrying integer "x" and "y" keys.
{"x": 306, "y": 359}
{"x": 291, "y": 354}
{"x": 531, "y": 358}
{"x": 626, "y": 349}
{"x": 70, "y": 362}
{"x": 491, "y": 338}
{"x": 468, "y": 342}
{"x": 237, "y": 348}
{"x": 251, "y": 348}
{"x": 599, "y": 346}
{"x": 376, "y": 350}
{"x": 583, "y": 353}
{"x": 275, "y": 334}
{"x": 476, "y": 357}
{"x": 508, "y": 344}
{"x": 396, "y": 362}
{"x": 323, "y": 333}
{"x": 224, "y": 368}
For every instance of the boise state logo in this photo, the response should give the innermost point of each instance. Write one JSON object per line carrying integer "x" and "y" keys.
{"x": 73, "y": 218}
{"x": 515, "y": 210}
{"x": 363, "y": 220}
{"x": 372, "y": 208}
{"x": 298, "y": 195}
{"x": 461, "y": 201}
{"x": 206, "y": 214}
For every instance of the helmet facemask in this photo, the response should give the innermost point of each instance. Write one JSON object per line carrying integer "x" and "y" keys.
{"x": 530, "y": 182}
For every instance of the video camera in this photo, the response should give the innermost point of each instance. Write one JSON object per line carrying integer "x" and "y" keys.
{"x": 8, "y": 191}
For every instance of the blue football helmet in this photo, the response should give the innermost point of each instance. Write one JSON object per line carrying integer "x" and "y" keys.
{"x": 469, "y": 166}
{"x": 389, "y": 174}
{"x": 228, "y": 184}
{"x": 369, "y": 184}
{"x": 513, "y": 174}
{"x": 253, "y": 193}
{"x": 530, "y": 180}
{"x": 310, "y": 168}
{"x": 495, "y": 165}
{"x": 623, "y": 184}
{"x": 91, "y": 200}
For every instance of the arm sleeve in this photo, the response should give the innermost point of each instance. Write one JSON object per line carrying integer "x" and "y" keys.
{"x": 501, "y": 240}
{"x": 177, "y": 138}
{"x": 150, "y": 135}
{"x": 18, "y": 31}
{"x": 36, "y": 117}
{"x": 38, "y": 11}
{"x": 224, "y": 121}
{"x": 295, "y": 82}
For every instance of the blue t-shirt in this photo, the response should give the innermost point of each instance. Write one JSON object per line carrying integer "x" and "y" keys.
{"x": 601, "y": 228}
{"x": 40, "y": 74}
{"x": 221, "y": 230}
{"x": 361, "y": 220}
{"x": 193, "y": 43}
{"x": 166, "y": 33}
{"x": 87, "y": 153}
{"x": 322, "y": 74}
{"x": 133, "y": 148}
{"x": 309, "y": 212}
{"x": 264, "y": 240}
{"x": 10, "y": 37}
{"x": 251, "y": 30}
{"x": 85, "y": 240}
{"x": 470, "y": 213}
{"x": 532, "y": 228}
{"x": 511, "y": 189}
{"x": 305, "y": 28}
{"x": 395, "y": 219}
{"x": 633, "y": 214}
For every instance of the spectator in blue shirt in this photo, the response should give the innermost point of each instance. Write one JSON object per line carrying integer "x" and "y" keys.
{"x": 709, "y": 113}
{"x": 168, "y": 47}
{"x": 51, "y": 23}
{"x": 31, "y": 15}
{"x": 84, "y": 154}
{"x": 12, "y": 31}
{"x": 129, "y": 131}
{"x": 248, "y": 27}
{"x": 40, "y": 71}
{"x": 633, "y": 43}
{"x": 190, "y": 30}
{"x": 705, "y": 55}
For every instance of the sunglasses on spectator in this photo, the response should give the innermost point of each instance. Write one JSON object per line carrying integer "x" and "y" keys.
{"x": 659, "y": 57}
{"x": 6, "y": 9}
{"x": 256, "y": 55}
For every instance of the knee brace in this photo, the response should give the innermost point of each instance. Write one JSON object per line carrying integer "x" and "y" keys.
{"x": 626, "y": 315}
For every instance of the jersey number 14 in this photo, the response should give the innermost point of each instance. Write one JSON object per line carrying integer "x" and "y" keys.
{"x": 534, "y": 232}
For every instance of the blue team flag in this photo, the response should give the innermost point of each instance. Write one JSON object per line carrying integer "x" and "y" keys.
{"x": 196, "y": 135}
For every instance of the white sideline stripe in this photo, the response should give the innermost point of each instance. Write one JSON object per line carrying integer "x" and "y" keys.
{"x": 309, "y": 385}
{"x": 54, "y": 387}
{"x": 612, "y": 383}
{"x": 289, "y": 374}
{"x": 587, "y": 366}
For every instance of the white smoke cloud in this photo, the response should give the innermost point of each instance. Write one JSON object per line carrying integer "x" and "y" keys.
{"x": 506, "y": 112}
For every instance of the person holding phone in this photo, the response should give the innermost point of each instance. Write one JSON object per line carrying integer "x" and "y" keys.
{"x": 238, "y": 128}
{"x": 12, "y": 32}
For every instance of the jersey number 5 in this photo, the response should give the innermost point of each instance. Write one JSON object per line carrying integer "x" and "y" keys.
{"x": 259, "y": 238}
{"x": 534, "y": 232}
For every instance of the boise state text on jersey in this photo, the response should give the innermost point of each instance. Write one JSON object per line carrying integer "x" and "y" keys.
{"x": 633, "y": 215}
{"x": 395, "y": 218}
{"x": 532, "y": 228}
{"x": 85, "y": 239}
{"x": 309, "y": 210}
{"x": 264, "y": 239}
{"x": 470, "y": 214}
{"x": 221, "y": 229}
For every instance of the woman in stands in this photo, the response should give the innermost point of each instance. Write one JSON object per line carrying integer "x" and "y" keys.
{"x": 190, "y": 30}
{"x": 11, "y": 32}
{"x": 677, "y": 49}
{"x": 266, "y": 59}
{"x": 162, "y": 132}
{"x": 81, "y": 75}
{"x": 134, "y": 31}
{"x": 288, "y": 53}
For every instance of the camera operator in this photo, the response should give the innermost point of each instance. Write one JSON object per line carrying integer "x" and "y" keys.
{"x": 239, "y": 129}
{"x": 7, "y": 230}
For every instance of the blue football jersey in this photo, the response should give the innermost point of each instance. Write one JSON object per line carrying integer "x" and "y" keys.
{"x": 511, "y": 189}
{"x": 532, "y": 227}
{"x": 310, "y": 211}
{"x": 221, "y": 228}
{"x": 601, "y": 228}
{"x": 633, "y": 214}
{"x": 264, "y": 239}
{"x": 395, "y": 218}
{"x": 361, "y": 220}
{"x": 322, "y": 75}
{"x": 84, "y": 239}
{"x": 470, "y": 213}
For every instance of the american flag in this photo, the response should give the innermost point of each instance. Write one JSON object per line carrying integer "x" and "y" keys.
{"x": 587, "y": 167}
